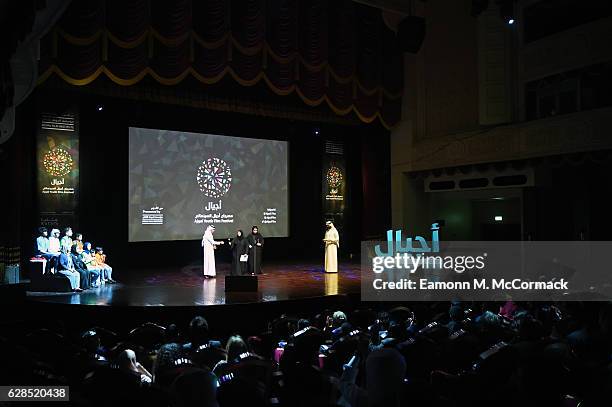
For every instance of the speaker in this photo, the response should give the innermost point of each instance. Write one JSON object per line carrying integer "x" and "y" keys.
{"x": 410, "y": 34}
{"x": 241, "y": 283}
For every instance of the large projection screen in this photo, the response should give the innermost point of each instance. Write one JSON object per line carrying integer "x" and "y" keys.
{"x": 179, "y": 182}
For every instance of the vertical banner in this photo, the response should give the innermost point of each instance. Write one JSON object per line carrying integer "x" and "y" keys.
{"x": 334, "y": 183}
{"x": 57, "y": 158}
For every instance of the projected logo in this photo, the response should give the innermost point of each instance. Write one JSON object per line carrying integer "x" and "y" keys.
{"x": 214, "y": 177}
{"x": 58, "y": 162}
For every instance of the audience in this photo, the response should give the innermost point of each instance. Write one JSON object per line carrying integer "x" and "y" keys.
{"x": 127, "y": 363}
{"x": 459, "y": 354}
{"x": 235, "y": 347}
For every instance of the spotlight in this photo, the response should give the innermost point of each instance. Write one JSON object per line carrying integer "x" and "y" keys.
{"x": 316, "y": 131}
{"x": 506, "y": 11}
{"x": 499, "y": 218}
{"x": 100, "y": 107}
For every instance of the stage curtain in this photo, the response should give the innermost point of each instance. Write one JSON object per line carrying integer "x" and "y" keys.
{"x": 335, "y": 52}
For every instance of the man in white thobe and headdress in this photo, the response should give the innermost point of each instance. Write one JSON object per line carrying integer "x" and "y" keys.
{"x": 209, "y": 244}
{"x": 332, "y": 242}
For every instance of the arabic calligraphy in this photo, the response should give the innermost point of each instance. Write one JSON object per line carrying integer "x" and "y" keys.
{"x": 397, "y": 245}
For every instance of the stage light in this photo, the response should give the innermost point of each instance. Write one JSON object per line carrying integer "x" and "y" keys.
{"x": 100, "y": 107}
{"x": 499, "y": 218}
{"x": 506, "y": 11}
{"x": 316, "y": 131}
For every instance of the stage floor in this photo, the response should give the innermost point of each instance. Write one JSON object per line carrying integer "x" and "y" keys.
{"x": 188, "y": 287}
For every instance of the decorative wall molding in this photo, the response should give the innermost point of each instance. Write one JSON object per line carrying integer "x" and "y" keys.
{"x": 580, "y": 46}
{"x": 577, "y": 132}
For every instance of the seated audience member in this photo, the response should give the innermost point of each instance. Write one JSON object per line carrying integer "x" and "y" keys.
{"x": 455, "y": 314}
{"x": 54, "y": 242}
{"x": 172, "y": 334}
{"x": 88, "y": 277}
{"x": 165, "y": 368}
{"x": 303, "y": 324}
{"x": 66, "y": 267}
{"x": 128, "y": 364}
{"x": 78, "y": 241}
{"x": 384, "y": 377}
{"x": 198, "y": 335}
{"x": 66, "y": 242}
{"x": 235, "y": 347}
{"x": 92, "y": 264}
{"x": 195, "y": 388}
{"x": 105, "y": 269}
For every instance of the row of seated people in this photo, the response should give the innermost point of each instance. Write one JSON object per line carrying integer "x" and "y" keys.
{"x": 471, "y": 354}
{"x": 84, "y": 267}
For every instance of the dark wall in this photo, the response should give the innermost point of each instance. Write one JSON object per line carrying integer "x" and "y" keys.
{"x": 571, "y": 201}
{"x": 104, "y": 176}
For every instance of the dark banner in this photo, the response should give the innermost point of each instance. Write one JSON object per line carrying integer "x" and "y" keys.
{"x": 57, "y": 159}
{"x": 334, "y": 183}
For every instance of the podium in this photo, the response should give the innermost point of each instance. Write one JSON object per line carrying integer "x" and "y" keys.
{"x": 241, "y": 284}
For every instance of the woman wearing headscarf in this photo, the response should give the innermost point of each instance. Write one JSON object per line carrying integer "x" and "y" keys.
{"x": 81, "y": 267}
{"x": 240, "y": 250}
{"x": 255, "y": 243}
{"x": 209, "y": 244}
{"x": 332, "y": 242}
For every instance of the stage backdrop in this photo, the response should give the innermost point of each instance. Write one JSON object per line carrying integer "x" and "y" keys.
{"x": 180, "y": 182}
{"x": 58, "y": 167}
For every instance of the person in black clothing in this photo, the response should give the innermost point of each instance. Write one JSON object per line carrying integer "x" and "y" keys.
{"x": 239, "y": 247}
{"x": 255, "y": 242}
{"x": 80, "y": 266}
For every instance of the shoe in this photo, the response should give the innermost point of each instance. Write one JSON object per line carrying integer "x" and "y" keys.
{"x": 78, "y": 290}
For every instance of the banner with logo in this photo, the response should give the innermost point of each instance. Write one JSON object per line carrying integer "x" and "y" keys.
{"x": 57, "y": 160}
{"x": 334, "y": 186}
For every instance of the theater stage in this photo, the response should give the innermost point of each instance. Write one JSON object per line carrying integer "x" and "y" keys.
{"x": 187, "y": 287}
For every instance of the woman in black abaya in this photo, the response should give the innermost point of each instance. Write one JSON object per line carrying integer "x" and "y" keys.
{"x": 239, "y": 248}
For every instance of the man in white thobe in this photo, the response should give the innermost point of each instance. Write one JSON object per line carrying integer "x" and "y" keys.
{"x": 209, "y": 244}
{"x": 332, "y": 242}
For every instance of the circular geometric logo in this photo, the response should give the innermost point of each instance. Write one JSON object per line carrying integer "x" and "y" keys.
{"x": 57, "y": 162}
{"x": 334, "y": 177}
{"x": 214, "y": 177}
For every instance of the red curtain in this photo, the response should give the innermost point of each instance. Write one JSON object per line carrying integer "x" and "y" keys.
{"x": 325, "y": 51}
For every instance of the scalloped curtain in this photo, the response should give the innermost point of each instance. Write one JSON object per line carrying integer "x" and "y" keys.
{"x": 335, "y": 52}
